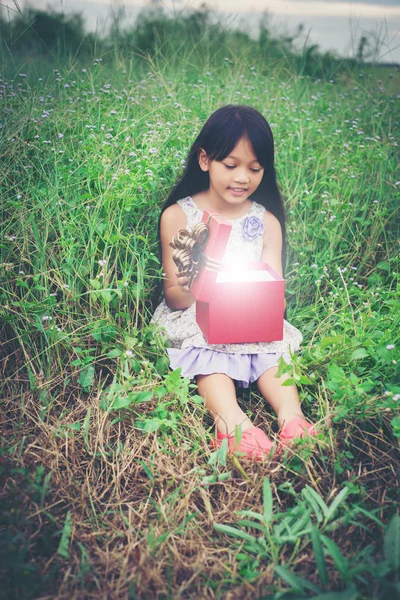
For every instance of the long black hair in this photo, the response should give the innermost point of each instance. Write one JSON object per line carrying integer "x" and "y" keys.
{"x": 219, "y": 135}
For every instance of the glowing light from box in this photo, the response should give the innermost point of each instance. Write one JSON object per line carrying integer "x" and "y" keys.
{"x": 242, "y": 276}
{"x": 236, "y": 269}
{"x": 235, "y": 260}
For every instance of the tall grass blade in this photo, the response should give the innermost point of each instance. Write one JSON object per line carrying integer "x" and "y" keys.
{"x": 250, "y": 513}
{"x": 341, "y": 497}
{"x": 341, "y": 563}
{"x": 301, "y": 522}
{"x": 298, "y": 584}
{"x": 267, "y": 500}
{"x": 247, "y": 523}
{"x": 86, "y": 426}
{"x": 316, "y": 502}
{"x": 392, "y": 543}
{"x": 350, "y": 593}
{"x": 234, "y": 532}
{"x": 319, "y": 556}
{"x": 63, "y": 547}
{"x": 17, "y": 6}
{"x": 222, "y": 452}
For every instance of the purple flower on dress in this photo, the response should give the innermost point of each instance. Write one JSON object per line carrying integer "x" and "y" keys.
{"x": 252, "y": 228}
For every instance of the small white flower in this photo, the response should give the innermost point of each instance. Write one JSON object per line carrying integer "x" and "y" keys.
{"x": 60, "y": 135}
{"x": 47, "y": 318}
{"x": 314, "y": 266}
{"x": 102, "y": 263}
{"x": 390, "y": 347}
{"x": 129, "y": 353}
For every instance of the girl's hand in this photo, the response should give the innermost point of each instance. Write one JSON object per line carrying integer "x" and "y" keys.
{"x": 183, "y": 281}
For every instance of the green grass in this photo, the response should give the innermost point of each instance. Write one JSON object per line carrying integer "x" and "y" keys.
{"x": 110, "y": 489}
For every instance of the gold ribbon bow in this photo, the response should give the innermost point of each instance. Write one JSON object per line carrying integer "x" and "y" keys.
{"x": 188, "y": 252}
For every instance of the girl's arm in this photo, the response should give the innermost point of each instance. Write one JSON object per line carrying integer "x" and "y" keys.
{"x": 177, "y": 296}
{"x": 272, "y": 244}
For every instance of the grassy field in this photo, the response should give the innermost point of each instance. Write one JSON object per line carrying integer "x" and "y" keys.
{"x": 109, "y": 488}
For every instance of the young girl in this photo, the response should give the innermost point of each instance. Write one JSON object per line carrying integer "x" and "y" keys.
{"x": 230, "y": 170}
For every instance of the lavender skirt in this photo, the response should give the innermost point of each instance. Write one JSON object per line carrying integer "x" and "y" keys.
{"x": 242, "y": 368}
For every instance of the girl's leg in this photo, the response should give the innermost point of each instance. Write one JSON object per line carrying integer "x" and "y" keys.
{"x": 218, "y": 391}
{"x": 284, "y": 399}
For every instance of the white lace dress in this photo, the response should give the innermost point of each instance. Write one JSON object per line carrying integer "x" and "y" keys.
{"x": 189, "y": 349}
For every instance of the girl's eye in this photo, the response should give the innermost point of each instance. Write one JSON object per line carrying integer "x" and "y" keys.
{"x": 234, "y": 167}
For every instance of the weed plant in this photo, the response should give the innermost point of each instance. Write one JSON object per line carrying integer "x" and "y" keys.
{"x": 109, "y": 487}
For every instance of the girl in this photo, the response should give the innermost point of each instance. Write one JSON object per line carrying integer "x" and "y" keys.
{"x": 230, "y": 170}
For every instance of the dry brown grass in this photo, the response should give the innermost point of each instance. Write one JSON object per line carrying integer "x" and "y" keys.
{"x": 142, "y": 519}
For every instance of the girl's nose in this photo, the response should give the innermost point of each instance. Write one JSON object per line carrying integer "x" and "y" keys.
{"x": 241, "y": 177}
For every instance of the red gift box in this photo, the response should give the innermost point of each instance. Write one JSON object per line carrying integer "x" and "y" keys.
{"x": 236, "y": 305}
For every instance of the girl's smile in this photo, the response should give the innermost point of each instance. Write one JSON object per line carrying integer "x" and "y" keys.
{"x": 238, "y": 192}
{"x": 232, "y": 180}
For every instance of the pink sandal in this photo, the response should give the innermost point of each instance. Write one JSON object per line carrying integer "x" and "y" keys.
{"x": 296, "y": 428}
{"x": 254, "y": 443}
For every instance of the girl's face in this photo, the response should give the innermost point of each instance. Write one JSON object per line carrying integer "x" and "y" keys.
{"x": 236, "y": 177}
